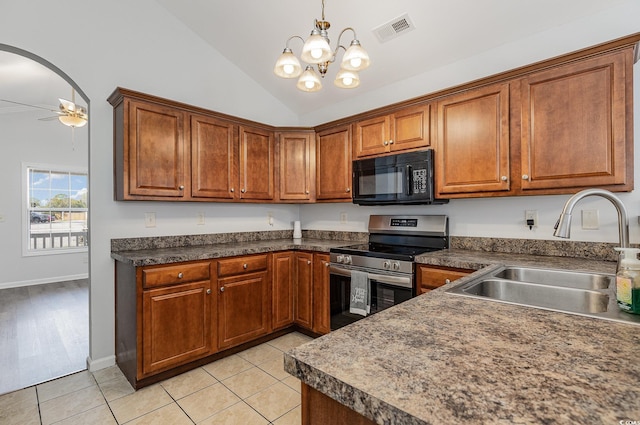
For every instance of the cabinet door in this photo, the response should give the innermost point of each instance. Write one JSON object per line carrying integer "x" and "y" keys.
{"x": 333, "y": 164}
{"x": 155, "y": 150}
{"x": 372, "y": 136}
{"x": 303, "y": 298}
{"x": 214, "y": 158}
{"x": 432, "y": 277}
{"x": 257, "y": 164}
{"x": 574, "y": 124}
{"x": 410, "y": 128}
{"x": 472, "y": 149}
{"x": 321, "y": 306}
{"x": 297, "y": 166}
{"x": 176, "y": 325}
{"x": 244, "y": 308}
{"x": 283, "y": 283}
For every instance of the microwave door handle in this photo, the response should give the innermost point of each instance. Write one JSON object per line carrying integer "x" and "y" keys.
{"x": 409, "y": 171}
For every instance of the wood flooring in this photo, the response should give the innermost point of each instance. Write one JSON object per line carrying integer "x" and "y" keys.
{"x": 44, "y": 333}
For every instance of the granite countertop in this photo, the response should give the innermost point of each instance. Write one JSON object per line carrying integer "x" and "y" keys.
{"x": 145, "y": 257}
{"x": 441, "y": 358}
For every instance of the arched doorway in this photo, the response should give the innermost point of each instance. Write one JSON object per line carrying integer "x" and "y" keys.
{"x": 44, "y": 229}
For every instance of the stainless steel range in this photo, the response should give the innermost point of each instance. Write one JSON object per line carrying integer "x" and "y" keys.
{"x": 382, "y": 271}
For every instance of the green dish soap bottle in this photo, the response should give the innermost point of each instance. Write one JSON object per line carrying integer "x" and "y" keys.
{"x": 628, "y": 280}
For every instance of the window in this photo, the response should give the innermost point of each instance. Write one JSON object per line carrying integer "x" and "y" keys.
{"x": 56, "y": 209}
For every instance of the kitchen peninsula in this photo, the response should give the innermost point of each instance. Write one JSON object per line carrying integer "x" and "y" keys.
{"x": 440, "y": 358}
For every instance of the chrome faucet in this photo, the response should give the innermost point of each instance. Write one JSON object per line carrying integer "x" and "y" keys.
{"x": 563, "y": 225}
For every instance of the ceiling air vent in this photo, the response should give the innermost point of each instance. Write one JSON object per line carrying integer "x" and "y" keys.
{"x": 394, "y": 28}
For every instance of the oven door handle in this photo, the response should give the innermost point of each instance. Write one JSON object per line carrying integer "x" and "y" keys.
{"x": 401, "y": 281}
{"x": 404, "y": 282}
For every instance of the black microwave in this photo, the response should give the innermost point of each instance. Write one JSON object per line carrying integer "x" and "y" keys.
{"x": 405, "y": 178}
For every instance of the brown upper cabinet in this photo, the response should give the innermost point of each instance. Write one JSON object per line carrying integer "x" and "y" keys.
{"x": 405, "y": 129}
{"x": 472, "y": 148}
{"x": 166, "y": 150}
{"x": 297, "y": 166}
{"x": 576, "y": 124}
{"x": 214, "y": 158}
{"x": 151, "y": 160}
{"x": 557, "y": 130}
{"x": 333, "y": 164}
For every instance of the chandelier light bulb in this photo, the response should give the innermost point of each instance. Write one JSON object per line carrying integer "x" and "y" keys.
{"x": 355, "y": 58}
{"x": 287, "y": 65}
{"x": 346, "y": 79}
{"x": 309, "y": 80}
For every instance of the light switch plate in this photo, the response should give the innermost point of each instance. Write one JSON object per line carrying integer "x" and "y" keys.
{"x": 150, "y": 219}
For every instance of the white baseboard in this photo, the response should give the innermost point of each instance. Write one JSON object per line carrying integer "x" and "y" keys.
{"x": 97, "y": 364}
{"x": 7, "y": 285}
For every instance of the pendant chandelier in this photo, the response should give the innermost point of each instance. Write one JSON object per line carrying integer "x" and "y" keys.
{"x": 317, "y": 51}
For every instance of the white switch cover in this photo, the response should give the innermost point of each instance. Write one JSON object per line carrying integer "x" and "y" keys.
{"x": 150, "y": 219}
{"x": 343, "y": 218}
{"x": 1, "y": 218}
{"x": 590, "y": 220}
{"x": 200, "y": 219}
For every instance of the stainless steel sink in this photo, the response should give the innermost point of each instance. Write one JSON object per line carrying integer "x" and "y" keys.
{"x": 539, "y": 295}
{"x": 557, "y": 277}
{"x": 581, "y": 293}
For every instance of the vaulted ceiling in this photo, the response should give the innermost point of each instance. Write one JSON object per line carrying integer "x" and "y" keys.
{"x": 252, "y": 34}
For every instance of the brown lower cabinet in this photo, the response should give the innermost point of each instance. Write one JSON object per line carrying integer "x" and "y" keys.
{"x": 319, "y": 409}
{"x": 170, "y": 317}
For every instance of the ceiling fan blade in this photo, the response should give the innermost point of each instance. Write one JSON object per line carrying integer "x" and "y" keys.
{"x": 50, "y": 118}
{"x": 31, "y": 106}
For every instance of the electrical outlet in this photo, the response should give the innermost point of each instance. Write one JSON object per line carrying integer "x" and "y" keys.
{"x": 2, "y": 218}
{"x": 590, "y": 220}
{"x": 531, "y": 218}
{"x": 270, "y": 218}
{"x": 150, "y": 219}
{"x": 343, "y": 218}
{"x": 200, "y": 219}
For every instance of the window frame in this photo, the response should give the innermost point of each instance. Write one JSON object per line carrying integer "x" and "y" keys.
{"x": 26, "y": 209}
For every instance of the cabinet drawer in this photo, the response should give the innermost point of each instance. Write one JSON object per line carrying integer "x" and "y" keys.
{"x": 181, "y": 273}
{"x": 236, "y": 266}
{"x": 433, "y": 277}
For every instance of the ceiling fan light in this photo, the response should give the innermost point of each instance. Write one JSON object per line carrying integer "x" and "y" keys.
{"x": 287, "y": 65}
{"x": 72, "y": 120}
{"x": 309, "y": 80}
{"x": 355, "y": 58}
{"x": 346, "y": 79}
{"x": 316, "y": 49}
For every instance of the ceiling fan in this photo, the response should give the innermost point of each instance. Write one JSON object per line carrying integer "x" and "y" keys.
{"x": 68, "y": 112}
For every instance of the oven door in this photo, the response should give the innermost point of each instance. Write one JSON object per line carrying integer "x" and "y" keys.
{"x": 386, "y": 290}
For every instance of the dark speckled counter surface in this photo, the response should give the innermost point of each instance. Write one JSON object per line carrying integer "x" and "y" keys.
{"x": 146, "y": 257}
{"x": 446, "y": 359}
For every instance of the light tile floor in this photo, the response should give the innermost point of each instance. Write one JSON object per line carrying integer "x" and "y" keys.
{"x": 247, "y": 388}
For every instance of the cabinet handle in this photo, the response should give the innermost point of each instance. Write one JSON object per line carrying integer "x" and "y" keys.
{"x": 326, "y": 264}
{"x": 503, "y": 178}
{"x": 348, "y": 190}
{"x": 391, "y": 142}
{"x": 232, "y": 190}
{"x": 308, "y": 262}
{"x": 447, "y": 281}
{"x": 243, "y": 190}
{"x": 306, "y": 191}
{"x": 525, "y": 177}
{"x": 180, "y": 275}
{"x": 208, "y": 291}
{"x": 181, "y": 187}
{"x": 385, "y": 143}
{"x": 222, "y": 289}
{"x": 244, "y": 266}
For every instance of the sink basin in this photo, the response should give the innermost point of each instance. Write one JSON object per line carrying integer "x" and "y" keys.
{"x": 580, "y": 293}
{"x": 563, "y": 278}
{"x": 541, "y": 295}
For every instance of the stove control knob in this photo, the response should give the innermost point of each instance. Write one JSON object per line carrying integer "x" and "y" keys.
{"x": 396, "y": 265}
{"x": 347, "y": 259}
{"x": 340, "y": 258}
{"x": 386, "y": 264}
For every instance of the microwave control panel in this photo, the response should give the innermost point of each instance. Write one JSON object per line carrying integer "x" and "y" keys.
{"x": 420, "y": 180}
